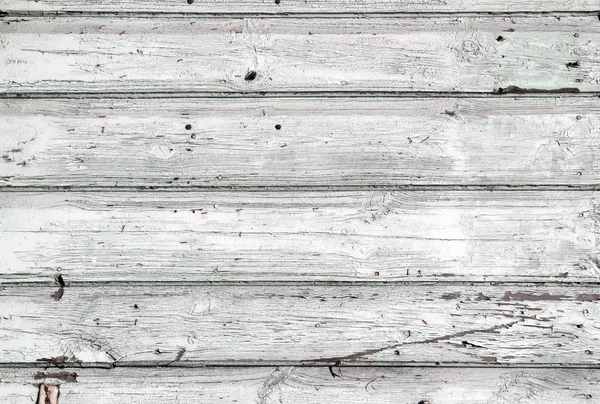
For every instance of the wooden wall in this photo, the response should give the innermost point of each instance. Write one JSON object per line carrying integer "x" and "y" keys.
{"x": 299, "y": 201}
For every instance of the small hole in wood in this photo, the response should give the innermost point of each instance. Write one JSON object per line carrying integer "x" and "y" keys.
{"x": 193, "y": 136}
{"x": 278, "y": 126}
{"x": 579, "y": 117}
{"x": 135, "y": 306}
{"x": 500, "y": 38}
{"x": 188, "y": 127}
{"x": 251, "y": 75}
{"x": 576, "y": 35}
{"x": 190, "y": 1}
{"x": 277, "y": 1}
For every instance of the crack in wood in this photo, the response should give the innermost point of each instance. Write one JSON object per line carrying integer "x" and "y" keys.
{"x": 368, "y": 352}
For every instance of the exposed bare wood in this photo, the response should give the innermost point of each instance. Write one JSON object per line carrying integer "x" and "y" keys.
{"x": 335, "y": 142}
{"x": 478, "y": 54}
{"x": 48, "y": 394}
{"x": 159, "y": 324}
{"x": 296, "y": 385}
{"x": 309, "y": 236}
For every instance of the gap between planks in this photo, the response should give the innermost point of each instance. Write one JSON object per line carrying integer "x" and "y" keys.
{"x": 300, "y": 188}
{"x": 81, "y": 285}
{"x": 200, "y": 95}
{"x": 297, "y": 14}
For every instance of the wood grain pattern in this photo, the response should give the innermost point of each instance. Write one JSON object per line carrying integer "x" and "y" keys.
{"x": 300, "y": 236}
{"x": 478, "y": 54}
{"x": 307, "y": 385}
{"x": 320, "y": 142}
{"x": 297, "y": 6}
{"x": 290, "y": 324}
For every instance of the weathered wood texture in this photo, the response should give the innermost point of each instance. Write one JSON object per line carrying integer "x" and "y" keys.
{"x": 320, "y": 142}
{"x": 297, "y": 6}
{"x": 306, "y": 385}
{"x": 479, "y": 54}
{"x": 308, "y": 236}
{"x": 290, "y": 324}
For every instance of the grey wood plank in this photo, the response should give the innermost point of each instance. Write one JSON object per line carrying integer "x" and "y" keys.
{"x": 458, "y": 54}
{"x": 297, "y": 6}
{"x": 320, "y": 142}
{"x": 160, "y": 324}
{"x": 296, "y": 385}
{"x": 300, "y": 236}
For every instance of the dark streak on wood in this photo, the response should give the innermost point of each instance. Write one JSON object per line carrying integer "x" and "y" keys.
{"x": 57, "y": 359}
{"x": 60, "y": 361}
{"x": 58, "y": 294}
{"x": 530, "y": 297}
{"x": 61, "y": 290}
{"x": 180, "y": 354}
{"x": 588, "y": 297}
{"x": 68, "y": 377}
{"x": 520, "y": 90}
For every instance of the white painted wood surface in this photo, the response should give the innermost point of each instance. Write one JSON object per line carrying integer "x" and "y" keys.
{"x": 292, "y": 324}
{"x": 296, "y": 6}
{"x": 131, "y": 55}
{"x": 320, "y": 142}
{"x": 303, "y": 236}
{"x": 297, "y": 385}
{"x": 291, "y": 259}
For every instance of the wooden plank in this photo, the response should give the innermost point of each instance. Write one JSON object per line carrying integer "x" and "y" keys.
{"x": 320, "y": 142}
{"x": 296, "y": 6}
{"x": 306, "y": 385}
{"x": 478, "y": 54}
{"x": 300, "y": 236}
{"x": 290, "y": 324}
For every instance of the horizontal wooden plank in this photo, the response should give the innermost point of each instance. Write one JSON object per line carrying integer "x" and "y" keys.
{"x": 296, "y": 385}
{"x": 320, "y": 142}
{"x": 284, "y": 324}
{"x": 296, "y": 6}
{"x": 473, "y": 54}
{"x": 300, "y": 236}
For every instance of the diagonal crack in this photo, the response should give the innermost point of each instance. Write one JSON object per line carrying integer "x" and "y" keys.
{"x": 368, "y": 352}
